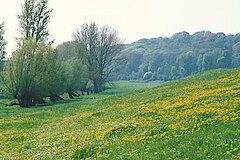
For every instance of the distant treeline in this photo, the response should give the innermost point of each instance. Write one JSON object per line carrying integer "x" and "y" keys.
{"x": 179, "y": 56}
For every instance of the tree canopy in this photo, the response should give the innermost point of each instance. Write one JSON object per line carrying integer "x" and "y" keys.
{"x": 32, "y": 73}
{"x": 34, "y": 19}
{"x": 100, "y": 47}
{"x": 179, "y": 56}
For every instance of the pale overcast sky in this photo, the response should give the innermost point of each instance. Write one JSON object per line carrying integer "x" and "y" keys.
{"x": 134, "y": 19}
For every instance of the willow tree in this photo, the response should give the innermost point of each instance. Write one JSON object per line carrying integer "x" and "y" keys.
{"x": 102, "y": 52}
{"x": 34, "y": 19}
{"x": 31, "y": 73}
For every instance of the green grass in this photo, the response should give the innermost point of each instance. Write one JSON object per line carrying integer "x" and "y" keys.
{"x": 113, "y": 89}
{"x": 193, "y": 118}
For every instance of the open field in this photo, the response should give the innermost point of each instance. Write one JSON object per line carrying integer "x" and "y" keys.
{"x": 193, "y": 118}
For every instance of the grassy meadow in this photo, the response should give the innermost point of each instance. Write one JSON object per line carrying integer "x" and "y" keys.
{"x": 194, "y": 118}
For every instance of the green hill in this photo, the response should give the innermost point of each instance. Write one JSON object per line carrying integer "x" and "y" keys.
{"x": 193, "y": 118}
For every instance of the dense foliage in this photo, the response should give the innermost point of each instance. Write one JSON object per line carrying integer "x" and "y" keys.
{"x": 180, "y": 55}
{"x": 32, "y": 73}
{"x": 100, "y": 47}
{"x": 99, "y": 50}
{"x": 76, "y": 76}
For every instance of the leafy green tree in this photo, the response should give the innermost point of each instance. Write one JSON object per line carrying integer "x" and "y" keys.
{"x": 236, "y": 55}
{"x": 30, "y": 73}
{"x": 66, "y": 51}
{"x": 186, "y": 63}
{"x": 52, "y": 75}
{"x": 2, "y": 45}
{"x": 208, "y": 61}
{"x": 174, "y": 72}
{"x": 88, "y": 36}
{"x": 77, "y": 77}
{"x": 135, "y": 60}
{"x": 224, "y": 61}
{"x": 102, "y": 47}
{"x": 212, "y": 59}
{"x": 89, "y": 86}
{"x": 199, "y": 62}
{"x": 34, "y": 19}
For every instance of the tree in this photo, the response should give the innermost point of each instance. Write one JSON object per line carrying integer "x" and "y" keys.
{"x": 31, "y": 73}
{"x": 224, "y": 60}
{"x": 34, "y": 19}
{"x": 2, "y": 45}
{"x": 76, "y": 76}
{"x": 86, "y": 41}
{"x": 236, "y": 55}
{"x": 65, "y": 51}
{"x": 135, "y": 60}
{"x": 102, "y": 52}
{"x": 53, "y": 76}
{"x": 186, "y": 63}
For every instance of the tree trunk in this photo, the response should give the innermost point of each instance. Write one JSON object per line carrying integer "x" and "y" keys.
{"x": 60, "y": 98}
{"x": 38, "y": 101}
{"x": 82, "y": 92}
{"x": 96, "y": 90}
{"x": 70, "y": 95}
{"x": 95, "y": 87}
{"x": 25, "y": 103}
{"x": 12, "y": 104}
{"x": 101, "y": 85}
{"x": 78, "y": 93}
{"x": 75, "y": 95}
{"x": 100, "y": 88}
{"x": 54, "y": 98}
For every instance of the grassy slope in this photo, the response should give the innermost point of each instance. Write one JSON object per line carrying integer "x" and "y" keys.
{"x": 195, "y": 118}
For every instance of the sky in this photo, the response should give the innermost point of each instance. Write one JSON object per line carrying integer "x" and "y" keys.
{"x": 133, "y": 19}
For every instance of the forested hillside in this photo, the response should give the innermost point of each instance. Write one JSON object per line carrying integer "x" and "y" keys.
{"x": 180, "y": 55}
